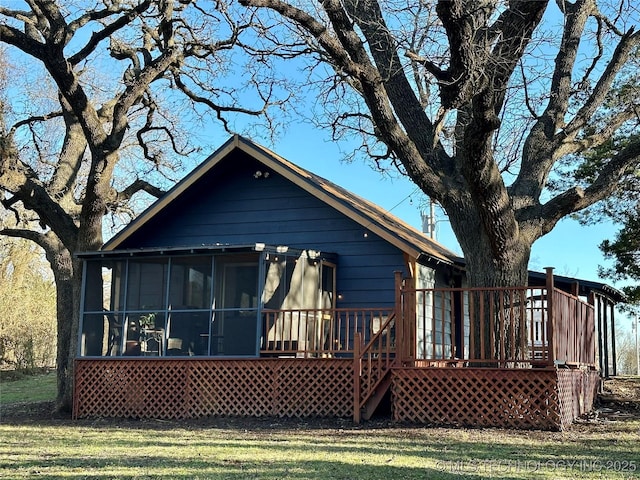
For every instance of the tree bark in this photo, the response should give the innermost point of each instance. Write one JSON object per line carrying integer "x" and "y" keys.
{"x": 494, "y": 322}
{"x": 65, "y": 276}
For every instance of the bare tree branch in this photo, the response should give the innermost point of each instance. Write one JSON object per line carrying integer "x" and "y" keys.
{"x": 537, "y": 158}
{"x": 606, "y": 182}
{"x": 33, "y": 119}
{"x": 137, "y": 186}
{"x": 40, "y": 238}
{"x": 629, "y": 41}
{"x": 107, "y": 31}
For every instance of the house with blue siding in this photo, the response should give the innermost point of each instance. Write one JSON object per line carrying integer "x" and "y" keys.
{"x": 254, "y": 287}
{"x": 256, "y": 232}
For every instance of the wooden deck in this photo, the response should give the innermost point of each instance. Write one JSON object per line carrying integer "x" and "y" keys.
{"x": 169, "y": 388}
{"x": 513, "y": 358}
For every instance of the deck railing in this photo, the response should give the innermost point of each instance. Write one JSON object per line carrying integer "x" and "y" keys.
{"x": 519, "y": 327}
{"x": 574, "y": 331}
{"x": 516, "y": 327}
{"x": 377, "y": 356}
{"x": 312, "y": 333}
{"x": 502, "y": 327}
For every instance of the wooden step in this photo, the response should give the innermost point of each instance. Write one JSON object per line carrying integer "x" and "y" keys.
{"x": 369, "y": 408}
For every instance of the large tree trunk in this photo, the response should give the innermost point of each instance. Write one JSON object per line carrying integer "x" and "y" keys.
{"x": 497, "y": 329}
{"x": 497, "y": 259}
{"x": 62, "y": 266}
{"x": 68, "y": 276}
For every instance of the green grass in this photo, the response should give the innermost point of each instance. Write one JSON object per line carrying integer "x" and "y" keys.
{"x": 290, "y": 450}
{"x": 270, "y": 449}
{"x": 29, "y": 388}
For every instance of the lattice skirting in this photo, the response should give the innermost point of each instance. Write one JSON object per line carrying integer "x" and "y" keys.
{"x": 189, "y": 388}
{"x": 481, "y": 397}
{"x": 577, "y": 390}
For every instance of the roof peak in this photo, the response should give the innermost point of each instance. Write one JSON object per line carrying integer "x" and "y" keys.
{"x": 368, "y": 214}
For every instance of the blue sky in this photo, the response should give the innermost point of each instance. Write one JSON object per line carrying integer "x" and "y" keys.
{"x": 572, "y": 249}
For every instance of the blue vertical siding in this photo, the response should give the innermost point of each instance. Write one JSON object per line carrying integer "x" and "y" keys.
{"x": 230, "y": 206}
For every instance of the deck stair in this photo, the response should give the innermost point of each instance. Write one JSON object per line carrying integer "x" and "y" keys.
{"x": 373, "y": 363}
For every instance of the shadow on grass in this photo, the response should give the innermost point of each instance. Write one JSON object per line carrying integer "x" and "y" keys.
{"x": 320, "y": 449}
{"x": 160, "y": 467}
{"x": 475, "y": 463}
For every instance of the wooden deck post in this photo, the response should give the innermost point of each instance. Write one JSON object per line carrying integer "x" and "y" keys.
{"x": 357, "y": 410}
{"x": 591, "y": 330}
{"x": 614, "y": 359}
{"x": 575, "y": 289}
{"x": 400, "y": 337}
{"x": 550, "y": 316}
{"x": 598, "y": 314}
{"x": 409, "y": 317}
{"x": 605, "y": 337}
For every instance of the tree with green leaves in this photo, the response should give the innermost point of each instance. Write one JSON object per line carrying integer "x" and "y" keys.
{"x": 624, "y": 250}
{"x": 622, "y": 208}
{"x": 93, "y": 98}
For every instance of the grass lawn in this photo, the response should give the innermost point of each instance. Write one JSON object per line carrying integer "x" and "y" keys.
{"x": 31, "y": 388}
{"x": 38, "y": 446}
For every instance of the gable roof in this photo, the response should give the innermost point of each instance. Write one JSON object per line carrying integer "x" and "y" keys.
{"x": 372, "y": 217}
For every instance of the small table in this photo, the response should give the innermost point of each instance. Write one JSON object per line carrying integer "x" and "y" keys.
{"x": 151, "y": 341}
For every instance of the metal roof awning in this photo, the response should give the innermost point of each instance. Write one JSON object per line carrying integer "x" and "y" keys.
{"x": 584, "y": 286}
{"x": 204, "y": 248}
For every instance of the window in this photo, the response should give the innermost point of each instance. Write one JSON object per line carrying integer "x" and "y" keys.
{"x": 189, "y": 307}
{"x": 102, "y": 330}
{"x": 152, "y": 306}
{"x": 162, "y": 306}
{"x": 147, "y": 284}
{"x": 190, "y": 285}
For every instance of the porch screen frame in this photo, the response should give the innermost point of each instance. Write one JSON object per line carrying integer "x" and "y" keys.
{"x": 167, "y": 312}
{"x": 221, "y": 266}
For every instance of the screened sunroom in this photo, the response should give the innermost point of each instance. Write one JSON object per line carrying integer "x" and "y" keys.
{"x": 203, "y": 302}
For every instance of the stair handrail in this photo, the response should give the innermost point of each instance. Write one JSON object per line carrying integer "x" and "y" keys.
{"x": 364, "y": 363}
